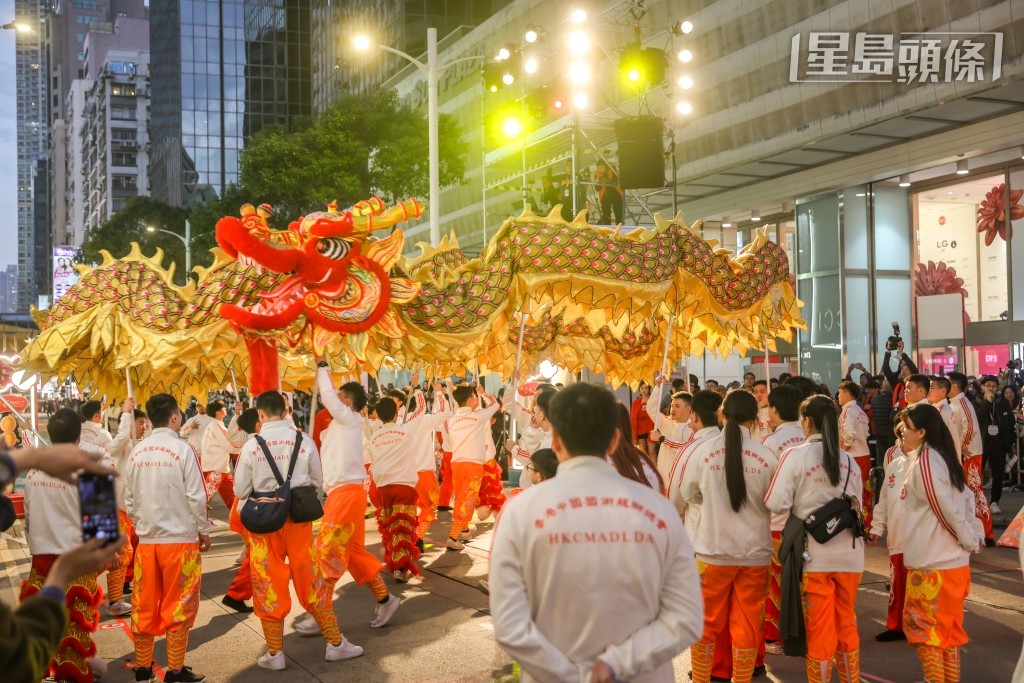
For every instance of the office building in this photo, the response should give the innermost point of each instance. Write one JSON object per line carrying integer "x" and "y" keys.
{"x": 9, "y": 289}
{"x": 31, "y": 93}
{"x": 220, "y": 72}
{"x": 114, "y": 136}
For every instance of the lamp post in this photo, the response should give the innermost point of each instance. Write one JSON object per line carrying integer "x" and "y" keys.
{"x": 433, "y": 73}
{"x": 186, "y": 240}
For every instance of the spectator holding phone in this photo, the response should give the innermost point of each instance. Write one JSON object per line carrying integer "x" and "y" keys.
{"x": 63, "y": 572}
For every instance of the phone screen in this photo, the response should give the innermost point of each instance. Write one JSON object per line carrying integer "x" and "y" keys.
{"x": 98, "y": 500}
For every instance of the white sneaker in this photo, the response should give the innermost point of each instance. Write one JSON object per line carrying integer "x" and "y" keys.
{"x": 241, "y": 558}
{"x": 402, "y": 575}
{"x": 385, "y": 610}
{"x": 468, "y": 533}
{"x": 483, "y": 512}
{"x": 344, "y": 650}
{"x": 306, "y": 626}
{"x": 452, "y": 544}
{"x": 994, "y": 507}
{"x": 121, "y": 608}
{"x": 273, "y": 662}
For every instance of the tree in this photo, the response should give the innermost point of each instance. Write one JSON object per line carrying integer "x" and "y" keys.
{"x": 362, "y": 146}
{"x": 129, "y": 225}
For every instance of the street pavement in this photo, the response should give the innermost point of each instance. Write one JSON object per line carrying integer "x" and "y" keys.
{"x": 443, "y": 631}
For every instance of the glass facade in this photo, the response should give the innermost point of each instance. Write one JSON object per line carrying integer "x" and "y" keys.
{"x": 222, "y": 69}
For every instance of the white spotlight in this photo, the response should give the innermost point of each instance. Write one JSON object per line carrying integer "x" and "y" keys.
{"x": 578, "y": 16}
{"x": 685, "y": 82}
{"x": 580, "y": 100}
{"x": 579, "y": 42}
{"x": 684, "y": 108}
{"x": 530, "y": 65}
{"x": 579, "y": 73}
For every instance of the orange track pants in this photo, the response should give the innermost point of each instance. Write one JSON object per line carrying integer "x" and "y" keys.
{"x": 466, "y": 477}
{"x": 444, "y": 495}
{"x": 287, "y": 555}
{"x": 115, "y": 577}
{"x": 734, "y": 600}
{"x": 934, "y": 611}
{"x": 341, "y": 543}
{"x": 396, "y": 521}
{"x": 241, "y": 585}
{"x": 427, "y": 490}
{"x": 165, "y": 598}
{"x": 897, "y": 592}
{"x": 829, "y": 599}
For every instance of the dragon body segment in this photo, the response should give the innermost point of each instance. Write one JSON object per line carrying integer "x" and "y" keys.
{"x": 591, "y": 297}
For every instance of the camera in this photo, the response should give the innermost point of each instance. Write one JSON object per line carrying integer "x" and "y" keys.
{"x": 894, "y": 340}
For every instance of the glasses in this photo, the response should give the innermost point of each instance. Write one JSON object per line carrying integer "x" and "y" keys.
{"x": 528, "y": 468}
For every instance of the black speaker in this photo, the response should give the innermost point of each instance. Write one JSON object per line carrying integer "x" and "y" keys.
{"x": 641, "y": 152}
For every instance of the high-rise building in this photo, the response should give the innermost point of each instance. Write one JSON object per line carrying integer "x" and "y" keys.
{"x": 401, "y": 24}
{"x": 9, "y": 289}
{"x": 31, "y": 82}
{"x": 221, "y": 71}
{"x": 67, "y": 27}
{"x": 42, "y": 247}
{"x": 114, "y": 138}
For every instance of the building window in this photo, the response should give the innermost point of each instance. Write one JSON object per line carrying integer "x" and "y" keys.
{"x": 125, "y": 182}
{"x": 124, "y": 159}
{"x": 80, "y": 37}
{"x": 123, "y": 90}
{"x": 122, "y": 113}
{"x": 121, "y": 68}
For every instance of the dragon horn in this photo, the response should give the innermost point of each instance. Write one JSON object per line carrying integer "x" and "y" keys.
{"x": 403, "y": 211}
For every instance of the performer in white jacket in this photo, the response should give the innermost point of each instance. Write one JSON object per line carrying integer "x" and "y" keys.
{"x": 166, "y": 499}
{"x": 938, "y": 397}
{"x": 854, "y": 429}
{"x": 53, "y": 524}
{"x": 467, "y": 430}
{"x": 886, "y": 520}
{"x": 784, "y": 414}
{"x": 728, "y": 477}
{"x": 675, "y": 427}
{"x": 704, "y": 424}
{"x": 218, "y": 445}
{"x": 392, "y": 453}
{"x": 808, "y": 477}
{"x": 287, "y": 556}
{"x": 764, "y": 426}
{"x": 638, "y": 609}
{"x": 936, "y": 510}
{"x": 971, "y": 448}
{"x": 534, "y": 428}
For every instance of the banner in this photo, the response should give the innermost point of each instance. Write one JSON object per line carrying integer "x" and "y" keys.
{"x": 64, "y": 273}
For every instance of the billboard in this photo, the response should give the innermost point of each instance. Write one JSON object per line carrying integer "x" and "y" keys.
{"x": 64, "y": 273}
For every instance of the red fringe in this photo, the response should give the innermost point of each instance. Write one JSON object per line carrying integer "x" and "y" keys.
{"x": 71, "y": 643}
{"x": 398, "y": 533}
{"x": 491, "y": 491}
{"x": 67, "y": 671}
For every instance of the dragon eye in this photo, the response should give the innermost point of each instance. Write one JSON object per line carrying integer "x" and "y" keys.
{"x": 333, "y": 248}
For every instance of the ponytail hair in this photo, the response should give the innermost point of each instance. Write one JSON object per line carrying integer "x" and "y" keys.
{"x": 822, "y": 413}
{"x": 740, "y": 407}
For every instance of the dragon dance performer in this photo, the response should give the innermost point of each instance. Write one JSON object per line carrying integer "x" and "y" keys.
{"x": 393, "y": 452}
{"x": 534, "y": 428}
{"x": 341, "y": 542}
{"x": 886, "y": 520}
{"x": 854, "y": 428}
{"x": 704, "y": 424}
{"x": 286, "y": 556}
{"x": 733, "y": 539}
{"x": 240, "y": 590}
{"x": 936, "y": 504}
{"x": 675, "y": 428}
{"x": 807, "y": 478}
{"x": 173, "y": 530}
{"x": 53, "y": 524}
{"x": 118, "y": 448}
{"x": 427, "y": 486}
{"x": 468, "y": 429}
{"x": 219, "y": 444}
{"x": 492, "y": 493}
{"x": 971, "y": 447}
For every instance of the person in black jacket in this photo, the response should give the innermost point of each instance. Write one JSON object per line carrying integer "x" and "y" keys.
{"x": 881, "y": 415}
{"x": 999, "y": 431}
{"x": 906, "y": 369}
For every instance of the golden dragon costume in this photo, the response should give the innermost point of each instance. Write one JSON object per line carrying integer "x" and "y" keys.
{"x": 591, "y": 297}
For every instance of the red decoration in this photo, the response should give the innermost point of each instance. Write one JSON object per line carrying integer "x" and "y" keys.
{"x": 938, "y": 278}
{"x": 992, "y": 213}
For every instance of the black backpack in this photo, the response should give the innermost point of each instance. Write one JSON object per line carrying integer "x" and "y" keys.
{"x": 265, "y": 513}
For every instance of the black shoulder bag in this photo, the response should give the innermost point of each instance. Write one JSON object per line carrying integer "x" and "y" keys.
{"x": 836, "y": 516}
{"x": 305, "y": 505}
{"x": 265, "y": 513}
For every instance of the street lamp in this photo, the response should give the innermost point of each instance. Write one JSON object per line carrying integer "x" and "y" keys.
{"x": 18, "y": 26}
{"x": 186, "y": 240}
{"x": 433, "y": 73}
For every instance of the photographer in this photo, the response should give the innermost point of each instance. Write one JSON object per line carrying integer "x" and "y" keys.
{"x": 999, "y": 431}
{"x": 905, "y": 369}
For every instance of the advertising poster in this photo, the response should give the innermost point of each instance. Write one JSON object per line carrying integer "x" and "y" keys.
{"x": 64, "y": 273}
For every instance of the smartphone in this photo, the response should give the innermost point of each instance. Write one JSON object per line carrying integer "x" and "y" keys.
{"x": 97, "y": 498}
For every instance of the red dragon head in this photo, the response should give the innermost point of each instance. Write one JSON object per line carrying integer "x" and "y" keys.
{"x": 338, "y": 278}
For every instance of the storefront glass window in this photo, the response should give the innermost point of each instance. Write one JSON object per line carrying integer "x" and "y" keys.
{"x": 818, "y": 285}
{"x": 1016, "y": 198}
{"x": 961, "y": 246}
